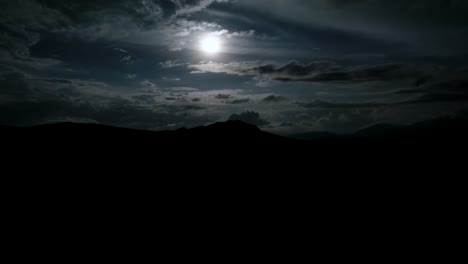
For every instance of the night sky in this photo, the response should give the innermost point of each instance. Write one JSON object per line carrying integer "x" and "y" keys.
{"x": 288, "y": 66}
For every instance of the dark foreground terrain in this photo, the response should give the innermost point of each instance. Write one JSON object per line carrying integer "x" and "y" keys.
{"x": 399, "y": 180}
{"x": 404, "y": 186}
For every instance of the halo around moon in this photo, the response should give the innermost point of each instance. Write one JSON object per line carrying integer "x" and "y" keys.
{"x": 210, "y": 44}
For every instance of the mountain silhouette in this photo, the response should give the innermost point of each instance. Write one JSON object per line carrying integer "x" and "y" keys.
{"x": 234, "y": 144}
{"x": 439, "y": 130}
{"x": 225, "y": 133}
{"x": 232, "y": 160}
{"x": 379, "y": 130}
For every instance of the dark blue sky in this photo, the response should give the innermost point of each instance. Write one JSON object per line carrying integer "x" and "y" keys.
{"x": 335, "y": 65}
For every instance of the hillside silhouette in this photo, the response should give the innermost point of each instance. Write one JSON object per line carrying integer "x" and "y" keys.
{"x": 238, "y": 140}
{"x": 94, "y": 136}
{"x": 224, "y": 158}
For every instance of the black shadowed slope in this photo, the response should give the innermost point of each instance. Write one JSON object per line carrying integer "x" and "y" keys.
{"x": 230, "y": 141}
{"x": 233, "y": 161}
{"x": 94, "y": 136}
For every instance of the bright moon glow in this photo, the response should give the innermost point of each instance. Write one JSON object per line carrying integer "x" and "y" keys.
{"x": 210, "y": 44}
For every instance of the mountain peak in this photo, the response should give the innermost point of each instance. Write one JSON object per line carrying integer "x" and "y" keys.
{"x": 235, "y": 125}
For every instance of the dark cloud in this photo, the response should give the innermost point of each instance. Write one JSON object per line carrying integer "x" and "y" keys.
{"x": 118, "y": 112}
{"x": 57, "y": 81}
{"x": 325, "y": 104}
{"x": 28, "y": 101}
{"x": 229, "y": 99}
{"x": 317, "y": 71}
{"x": 223, "y": 96}
{"x": 360, "y": 73}
{"x": 424, "y": 98}
{"x": 297, "y": 70}
{"x": 145, "y": 98}
{"x": 250, "y": 117}
{"x": 341, "y": 3}
{"x": 439, "y": 98}
{"x": 13, "y": 86}
{"x": 457, "y": 85}
{"x": 345, "y": 121}
{"x": 274, "y": 99}
{"x": 447, "y": 86}
{"x": 427, "y": 24}
{"x": 144, "y": 13}
{"x": 239, "y": 101}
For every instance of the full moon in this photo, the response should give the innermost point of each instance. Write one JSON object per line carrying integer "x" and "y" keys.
{"x": 210, "y": 44}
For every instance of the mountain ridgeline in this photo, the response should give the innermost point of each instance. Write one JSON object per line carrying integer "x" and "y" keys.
{"x": 236, "y": 141}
